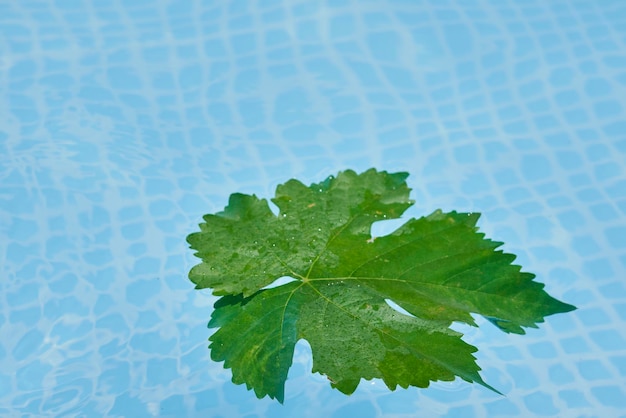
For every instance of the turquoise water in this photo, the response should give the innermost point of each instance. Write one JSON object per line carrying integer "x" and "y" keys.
{"x": 122, "y": 123}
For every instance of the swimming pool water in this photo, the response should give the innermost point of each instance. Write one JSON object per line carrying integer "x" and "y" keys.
{"x": 122, "y": 123}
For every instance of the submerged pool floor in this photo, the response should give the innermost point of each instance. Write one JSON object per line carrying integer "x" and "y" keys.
{"x": 122, "y": 123}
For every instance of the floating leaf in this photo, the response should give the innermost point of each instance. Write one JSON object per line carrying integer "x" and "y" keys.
{"x": 437, "y": 268}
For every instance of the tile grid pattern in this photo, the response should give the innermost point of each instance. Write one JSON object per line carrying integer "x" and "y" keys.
{"x": 123, "y": 122}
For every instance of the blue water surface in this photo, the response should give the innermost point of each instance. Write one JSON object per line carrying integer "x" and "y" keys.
{"x": 123, "y": 122}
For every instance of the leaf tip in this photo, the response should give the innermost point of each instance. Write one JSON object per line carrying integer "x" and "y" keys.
{"x": 488, "y": 386}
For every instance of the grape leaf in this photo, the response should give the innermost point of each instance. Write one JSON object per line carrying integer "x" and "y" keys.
{"x": 437, "y": 268}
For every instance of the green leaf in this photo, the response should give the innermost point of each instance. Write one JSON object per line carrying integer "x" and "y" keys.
{"x": 437, "y": 268}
